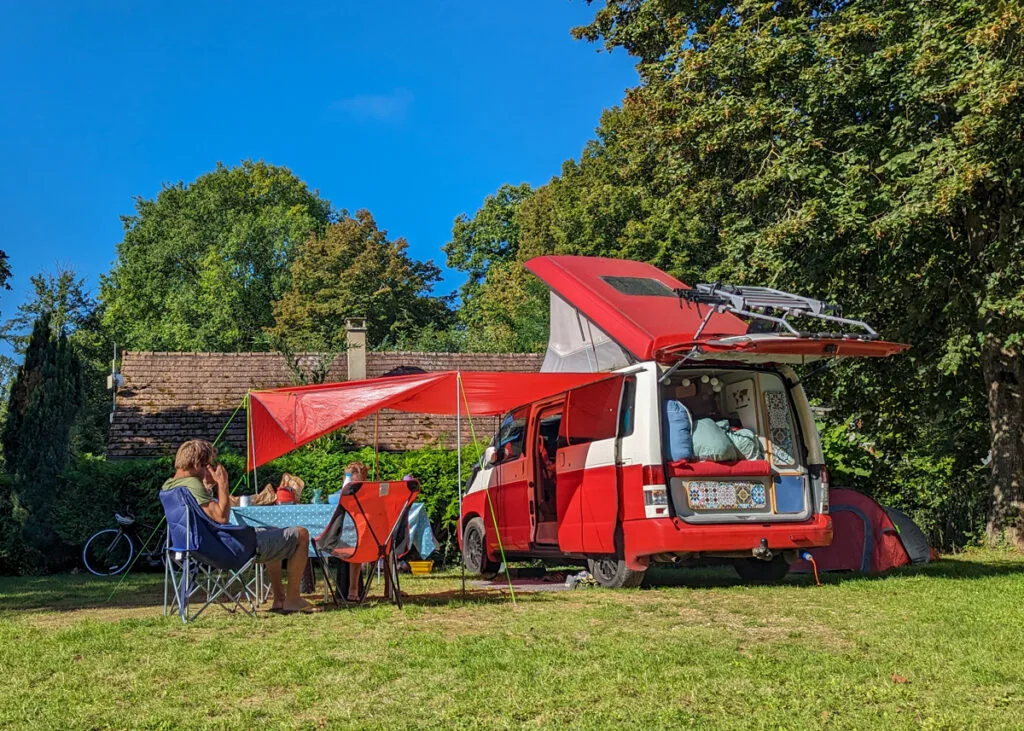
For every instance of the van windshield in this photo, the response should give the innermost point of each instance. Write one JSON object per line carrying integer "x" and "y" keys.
{"x": 730, "y": 415}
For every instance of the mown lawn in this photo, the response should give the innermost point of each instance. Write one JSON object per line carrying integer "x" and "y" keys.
{"x": 941, "y": 646}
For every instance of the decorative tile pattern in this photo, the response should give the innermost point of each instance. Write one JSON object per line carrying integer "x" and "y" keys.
{"x": 713, "y": 495}
{"x": 780, "y": 428}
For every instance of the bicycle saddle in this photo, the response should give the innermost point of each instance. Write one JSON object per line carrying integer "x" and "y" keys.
{"x": 124, "y": 519}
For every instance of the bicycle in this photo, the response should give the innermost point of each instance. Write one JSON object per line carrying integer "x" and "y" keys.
{"x": 112, "y": 550}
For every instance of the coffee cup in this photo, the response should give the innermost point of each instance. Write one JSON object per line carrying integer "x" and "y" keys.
{"x": 244, "y": 501}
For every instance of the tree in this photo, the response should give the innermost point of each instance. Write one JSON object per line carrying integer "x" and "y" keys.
{"x": 72, "y": 311}
{"x": 201, "y": 264}
{"x": 43, "y": 405}
{"x": 490, "y": 237}
{"x": 63, "y": 296}
{"x": 354, "y": 270}
{"x": 867, "y": 152}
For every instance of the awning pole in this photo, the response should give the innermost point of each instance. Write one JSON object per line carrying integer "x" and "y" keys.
{"x": 252, "y": 442}
{"x": 458, "y": 442}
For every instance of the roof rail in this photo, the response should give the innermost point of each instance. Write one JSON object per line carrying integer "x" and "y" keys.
{"x": 772, "y": 305}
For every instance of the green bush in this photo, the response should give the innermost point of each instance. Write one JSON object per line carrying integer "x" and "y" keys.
{"x": 92, "y": 489}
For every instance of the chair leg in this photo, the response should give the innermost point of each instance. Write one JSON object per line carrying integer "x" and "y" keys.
{"x": 326, "y": 572}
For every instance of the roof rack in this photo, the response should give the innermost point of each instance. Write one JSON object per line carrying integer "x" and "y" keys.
{"x": 771, "y": 305}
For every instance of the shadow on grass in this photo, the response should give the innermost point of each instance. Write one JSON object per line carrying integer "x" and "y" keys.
{"x": 723, "y": 576}
{"x": 67, "y": 592}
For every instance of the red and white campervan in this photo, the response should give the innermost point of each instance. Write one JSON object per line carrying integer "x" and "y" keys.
{"x": 595, "y": 473}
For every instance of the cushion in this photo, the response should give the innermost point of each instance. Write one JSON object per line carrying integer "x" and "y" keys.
{"x": 747, "y": 443}
{"x": 678, "y": 425}
{"x": 710, "y": 441}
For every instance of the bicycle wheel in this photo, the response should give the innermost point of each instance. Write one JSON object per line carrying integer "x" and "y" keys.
{"x": 108, "y": 552}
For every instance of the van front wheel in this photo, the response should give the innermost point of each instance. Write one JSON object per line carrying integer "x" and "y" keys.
{"x": 474, "y": 549}
{"x": 611, "y": 573}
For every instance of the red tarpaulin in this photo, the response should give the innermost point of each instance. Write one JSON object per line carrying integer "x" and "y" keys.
{"x": 283, "y": 419}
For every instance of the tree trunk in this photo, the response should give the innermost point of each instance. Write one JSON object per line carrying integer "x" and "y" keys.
{"x": 1003, "y": 369}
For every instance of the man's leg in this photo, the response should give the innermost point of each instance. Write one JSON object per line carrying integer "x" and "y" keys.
{"x": 355, "y": 576}
{"x": 276, "y": 587}
{"x": 296, "y": 567}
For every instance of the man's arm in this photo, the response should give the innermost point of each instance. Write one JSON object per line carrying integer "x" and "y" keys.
{"x": 220, "y": 510}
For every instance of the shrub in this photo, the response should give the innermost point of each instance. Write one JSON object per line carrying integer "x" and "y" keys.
{"x": 92, "y": 489}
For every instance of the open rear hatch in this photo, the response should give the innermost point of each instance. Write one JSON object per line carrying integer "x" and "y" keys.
{"x": 606, "y": 313}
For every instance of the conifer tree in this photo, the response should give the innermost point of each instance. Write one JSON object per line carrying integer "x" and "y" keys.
{"x": 44, "y": 401}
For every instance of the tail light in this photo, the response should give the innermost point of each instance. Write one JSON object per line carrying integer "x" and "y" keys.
{"x": 655, "y": 492}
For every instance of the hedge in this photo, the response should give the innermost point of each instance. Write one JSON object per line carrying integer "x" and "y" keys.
{"x": 93, "y": 488}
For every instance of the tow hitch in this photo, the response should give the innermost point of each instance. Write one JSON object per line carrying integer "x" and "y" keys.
{"x": 762, "y": 552}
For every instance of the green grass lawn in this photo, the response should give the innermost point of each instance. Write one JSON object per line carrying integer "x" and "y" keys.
{"x": 941, "y": 646}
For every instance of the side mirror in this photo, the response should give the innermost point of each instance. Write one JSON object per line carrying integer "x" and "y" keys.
{"x": 490, "y": 457}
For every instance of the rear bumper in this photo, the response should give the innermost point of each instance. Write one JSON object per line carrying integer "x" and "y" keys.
{"x": 647, "y": 537}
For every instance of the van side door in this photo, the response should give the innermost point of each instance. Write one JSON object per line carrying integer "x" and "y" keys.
{"x": 587, "y": 474}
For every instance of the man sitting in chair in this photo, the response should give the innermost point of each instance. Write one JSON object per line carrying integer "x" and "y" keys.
{"x": 194, "y": 469}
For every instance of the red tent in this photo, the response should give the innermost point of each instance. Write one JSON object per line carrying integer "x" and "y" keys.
{"x": 283, "y": 419}
{"x": 865, "y": 537}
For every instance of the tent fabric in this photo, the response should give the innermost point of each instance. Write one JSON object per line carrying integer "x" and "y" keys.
{"x": 576, "y": 345}
{"x": 864, "y": 537}
{"x": 913, "y": 538}
{"x": 284, "y": 419}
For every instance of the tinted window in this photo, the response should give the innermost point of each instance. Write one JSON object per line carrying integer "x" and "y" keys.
{"x": 591, "y": 412}
{"x": 511, "y": 435}
{"x": 644, "y": 286}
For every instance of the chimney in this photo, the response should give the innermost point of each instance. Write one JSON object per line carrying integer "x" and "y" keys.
{"x": 355, "y": 337}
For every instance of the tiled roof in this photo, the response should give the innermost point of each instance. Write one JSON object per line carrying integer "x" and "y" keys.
{"x": 168, "y": 398}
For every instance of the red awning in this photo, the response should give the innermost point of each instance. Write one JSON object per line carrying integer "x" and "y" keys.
{"x": 283, "y": 419}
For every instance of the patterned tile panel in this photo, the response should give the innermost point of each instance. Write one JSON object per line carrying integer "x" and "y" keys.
{"x": 715, "y": 495}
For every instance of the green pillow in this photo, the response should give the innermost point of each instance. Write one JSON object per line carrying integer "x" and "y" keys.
{"x": 711, "y": 442}
{"x": 747, "y": 443}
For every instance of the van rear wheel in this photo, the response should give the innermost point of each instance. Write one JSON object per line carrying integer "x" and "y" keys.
{"x": 474, "y": 549}
{"x": 754, "y": 569}
{"x": 611, "y": 573}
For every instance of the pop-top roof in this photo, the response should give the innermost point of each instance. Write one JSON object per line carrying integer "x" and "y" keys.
{"x": 638, "y": 306}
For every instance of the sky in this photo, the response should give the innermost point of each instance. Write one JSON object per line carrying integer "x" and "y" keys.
{"x": 413, "y": 110}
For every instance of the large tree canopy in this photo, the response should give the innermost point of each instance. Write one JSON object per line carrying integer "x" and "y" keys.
{"x": 355, "y": 270}
{"x": 870, "y": 153}
{"x": 201, "y": 264}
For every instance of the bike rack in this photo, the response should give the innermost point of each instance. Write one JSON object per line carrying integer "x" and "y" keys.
{"x": 772, "y": 305}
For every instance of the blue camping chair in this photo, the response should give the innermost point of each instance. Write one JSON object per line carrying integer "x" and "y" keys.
{"x": 205, "y": 557}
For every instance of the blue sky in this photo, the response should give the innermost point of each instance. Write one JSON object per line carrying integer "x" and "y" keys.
{"x": 414, "y": 110}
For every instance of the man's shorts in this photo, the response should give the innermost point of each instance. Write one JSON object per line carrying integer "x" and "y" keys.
{"x": 276, "y": 544}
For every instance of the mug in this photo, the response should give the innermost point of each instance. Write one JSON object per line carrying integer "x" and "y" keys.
{"x": 244, "y": 501}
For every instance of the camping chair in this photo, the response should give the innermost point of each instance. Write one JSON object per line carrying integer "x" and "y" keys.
{"x": 377, "y": 509}
{"x": 203, "y": 556}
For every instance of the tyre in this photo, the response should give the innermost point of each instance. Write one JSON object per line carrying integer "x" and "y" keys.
{"x": 753, "y": 569}
{"x": 474, "y": 549}
{"x": 108, "y": 552}
{"x": 611, "y": 573}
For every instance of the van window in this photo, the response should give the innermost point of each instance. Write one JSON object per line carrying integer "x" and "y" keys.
{"x": 591, "y": 412}
{"x": 511, "y": 435}
{"x": 627, "y": 407}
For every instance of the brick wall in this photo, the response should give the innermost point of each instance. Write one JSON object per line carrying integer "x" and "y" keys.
{"x": 170, "y": 397}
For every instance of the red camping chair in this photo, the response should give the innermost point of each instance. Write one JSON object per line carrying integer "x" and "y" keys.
{"x": 377, "y": 509}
